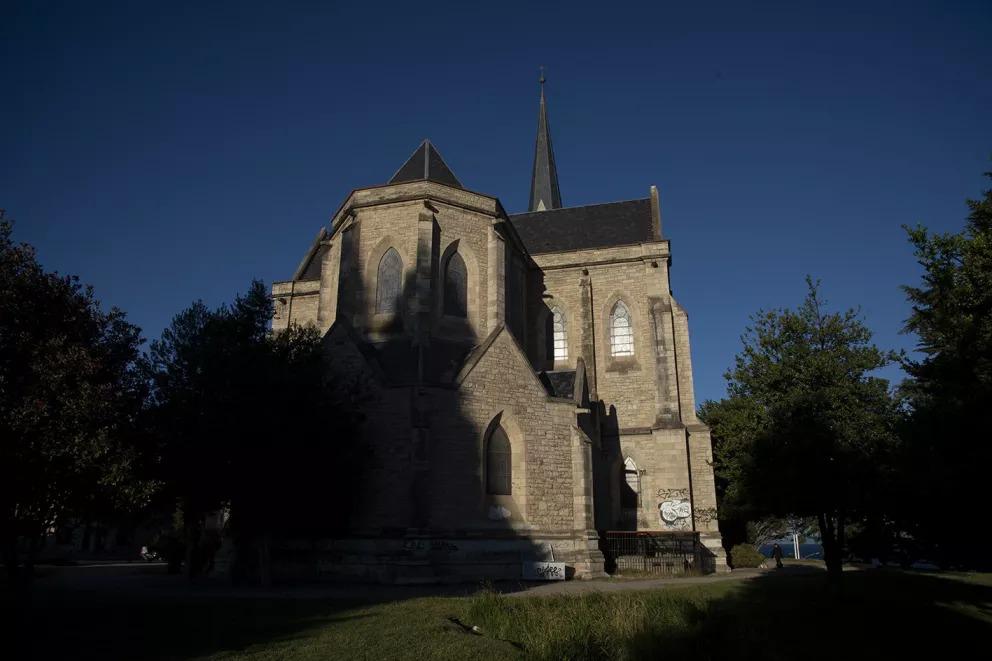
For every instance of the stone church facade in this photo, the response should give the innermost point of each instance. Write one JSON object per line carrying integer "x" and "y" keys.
{"x": 532, "y": 376}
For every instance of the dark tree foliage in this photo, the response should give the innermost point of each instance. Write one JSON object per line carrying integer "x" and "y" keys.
{"x": 253, "y": 421}
{"x": 948, "y": 453}
{"x": 70, "y": 394}
{"x": 806, "y": 429}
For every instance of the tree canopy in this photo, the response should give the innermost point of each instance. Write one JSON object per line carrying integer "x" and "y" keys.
{"x": 70, "y": 393}
{"x": 950, "y": 389}
{"x": 251, "y": 422}
{"x": 806, "y": 424}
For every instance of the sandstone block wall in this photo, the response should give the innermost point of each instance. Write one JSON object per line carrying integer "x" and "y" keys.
{"x": 427, "y": 443}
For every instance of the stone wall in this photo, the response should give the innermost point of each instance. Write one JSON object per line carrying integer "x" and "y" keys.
{"x": 586, "y": 285}
{"x": 426, "y": 441}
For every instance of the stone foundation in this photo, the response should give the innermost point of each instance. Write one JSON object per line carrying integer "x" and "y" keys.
{"x": 423, "y": 559}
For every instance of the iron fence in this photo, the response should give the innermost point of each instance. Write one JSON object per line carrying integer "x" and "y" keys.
{"x": 666, "y": 553}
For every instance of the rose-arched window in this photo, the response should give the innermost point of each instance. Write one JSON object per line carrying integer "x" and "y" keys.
{"x": 390, "y": 274}
{"x": 498, "y": 472}
{"x": 560, "y": 334}
{"x": 621, "y": 331}
{"x": 456, "y": 287}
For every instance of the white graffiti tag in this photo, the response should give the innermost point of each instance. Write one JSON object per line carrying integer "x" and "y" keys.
{"x": 674, "y": 513}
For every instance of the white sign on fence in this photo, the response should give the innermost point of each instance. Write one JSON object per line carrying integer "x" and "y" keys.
{"x": 544, "y": 571}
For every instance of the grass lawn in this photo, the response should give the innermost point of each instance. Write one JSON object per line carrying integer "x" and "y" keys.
{"x": 878, "y": 615}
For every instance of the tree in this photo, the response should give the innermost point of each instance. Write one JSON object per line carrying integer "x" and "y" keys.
{"x": 69, "y": 398}
{"x": 253, "y": 421}
{"x": 806, "y": 429}
{"x": 950, "y": 389}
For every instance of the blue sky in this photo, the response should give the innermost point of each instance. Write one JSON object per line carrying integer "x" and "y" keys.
{"x": 167, "y": 152}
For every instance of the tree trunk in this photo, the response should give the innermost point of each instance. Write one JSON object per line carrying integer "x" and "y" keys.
{"x": 34, "y": 546}
{"x": 265, "y": 559}
{"x": 831, "y": 545}
{"x": 10, "y": 557}
{"x": 191, "y": 530}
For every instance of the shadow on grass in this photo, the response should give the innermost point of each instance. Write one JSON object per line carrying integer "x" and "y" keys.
{"x": 138, "y": 613}
{"x": 873, "y": 615}
{"x": 781, "y": 615}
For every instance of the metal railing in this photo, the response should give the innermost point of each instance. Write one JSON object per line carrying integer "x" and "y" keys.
{"x": 656, "y": 552}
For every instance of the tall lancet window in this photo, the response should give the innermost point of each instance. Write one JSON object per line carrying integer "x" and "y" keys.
{"x": 621, "y": 331}
{"x": 560, "y": 334}
{"x": 632, "y": 495}
{"x": 388, "y": 281}
{"x": 498, "y": 474}
{"x": 456, "y": 287}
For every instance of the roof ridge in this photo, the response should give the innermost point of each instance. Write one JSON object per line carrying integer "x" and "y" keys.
{"x": 432, "y": 168}
{"x": 580, "y": 206}
{"x": 431, "y": 147}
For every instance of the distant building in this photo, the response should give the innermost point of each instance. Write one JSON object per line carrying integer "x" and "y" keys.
{"x": 534, "y": 384}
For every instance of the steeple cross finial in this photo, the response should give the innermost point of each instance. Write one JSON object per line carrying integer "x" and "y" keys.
{"x": 542, "y": 78}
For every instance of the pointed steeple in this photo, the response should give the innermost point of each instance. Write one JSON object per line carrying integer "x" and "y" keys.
{"x": 426, "y": 164}
{"x": 544, "y": 192}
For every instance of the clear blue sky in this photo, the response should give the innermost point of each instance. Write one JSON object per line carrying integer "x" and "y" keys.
{"x": 167, "y": 152}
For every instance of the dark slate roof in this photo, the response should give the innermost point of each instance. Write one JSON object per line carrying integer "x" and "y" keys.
{"x": 400, "y": 360}
{"x": 560, "y": 383}
{"x": 544, "y": 191}
{"x": 426, "y": 164}
{"x": 580, "y": 228}
{"x": 312, "y": 270}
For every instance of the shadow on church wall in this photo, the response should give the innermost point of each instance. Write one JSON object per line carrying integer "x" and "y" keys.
{"x": 422, "y": 513}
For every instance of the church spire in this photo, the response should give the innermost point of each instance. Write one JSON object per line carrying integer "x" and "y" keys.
{"x": 544, "y": 192}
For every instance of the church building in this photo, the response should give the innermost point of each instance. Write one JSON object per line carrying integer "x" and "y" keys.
{"x": 531, "y": 374}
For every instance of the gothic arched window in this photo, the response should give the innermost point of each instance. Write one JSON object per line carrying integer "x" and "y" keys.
{"x": 456, "y": 287}
{"x": 621, "y": 331}
{"x": 498, "y": 472}
{"x": 560, "y": 334}
{"x": 630, "y": 494}
{"x": 633, "y": 480}
{"x": 390, "y": 273}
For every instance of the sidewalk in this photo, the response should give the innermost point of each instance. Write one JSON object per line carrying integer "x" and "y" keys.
{"x": 143, "y": 581}
{"x": 627, "y": 585}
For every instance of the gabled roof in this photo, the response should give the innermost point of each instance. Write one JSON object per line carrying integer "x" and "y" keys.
{"x": 581, "y": 228}
{"x": 426, "y": 164}
{"x": 560, "y": 383}
{"x": 309, "y": 268}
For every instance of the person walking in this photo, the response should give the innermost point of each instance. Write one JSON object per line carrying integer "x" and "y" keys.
{"x": 777, "y": 554}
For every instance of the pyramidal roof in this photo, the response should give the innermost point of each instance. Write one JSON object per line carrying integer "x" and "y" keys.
{"x": 426, "y": 164}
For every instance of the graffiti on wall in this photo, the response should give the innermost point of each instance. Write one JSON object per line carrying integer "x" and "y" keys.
{"x": 704, "y": 516}
{"x": 428, "y": 545}
{"x": 498, "y": 513}
{"x": 675, "y": 510}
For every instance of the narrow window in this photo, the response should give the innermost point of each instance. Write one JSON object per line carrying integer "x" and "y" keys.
{"x": 498, "y": 464}
{"x": 387, "y": 293}
{"x": 621, "y": 332}
{"x": 633, "y": 480}
{"x": 560, "y": 334}
{"x": 630, "y": 495}
{"x": 456, "y": 287}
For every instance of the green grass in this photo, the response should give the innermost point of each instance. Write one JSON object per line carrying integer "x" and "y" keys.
{"x": 879, "y": 614}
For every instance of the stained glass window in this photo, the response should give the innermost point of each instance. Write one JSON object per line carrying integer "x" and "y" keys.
{"x": 560, "y": 334}
{"x": 456, "y": 287}
{"x": 390, "y": 274}
{"x": 498, "y": 464}
{"x": 621, "y": 331}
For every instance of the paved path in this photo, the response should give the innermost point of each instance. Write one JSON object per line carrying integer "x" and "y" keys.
{"x": 626, "y": 585}
{"x": 140, "y": 581}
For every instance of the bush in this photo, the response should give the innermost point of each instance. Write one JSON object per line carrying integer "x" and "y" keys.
{"x": 745, "y": 555}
